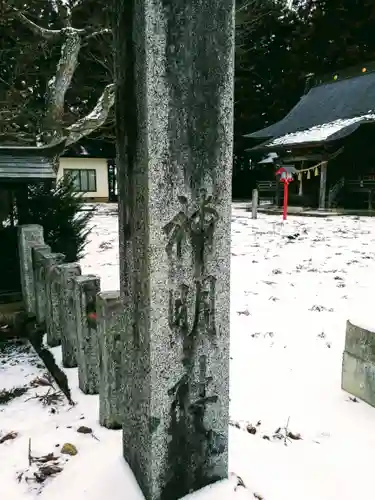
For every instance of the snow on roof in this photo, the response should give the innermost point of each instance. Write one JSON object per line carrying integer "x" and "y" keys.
{"x": 269, "y": 158}
{"x": 320, "y": 132}
{"x": 325, "y": 103}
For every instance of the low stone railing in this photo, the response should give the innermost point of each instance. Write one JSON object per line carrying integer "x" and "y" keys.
{"x": 77, "y": 316}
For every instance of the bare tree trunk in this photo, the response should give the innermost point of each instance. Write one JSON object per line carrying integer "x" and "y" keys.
{"x": 53, "y": 127}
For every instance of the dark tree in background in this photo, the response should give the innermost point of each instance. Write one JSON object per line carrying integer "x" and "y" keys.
{"x": 334, "y": 34}
{"x": 55, "y": 70}
{"x": 268, "y": 82}
{"x": 58, "y": 210}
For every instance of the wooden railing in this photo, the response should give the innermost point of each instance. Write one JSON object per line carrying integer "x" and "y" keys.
{"x": 267, "y": 186}
{"x": 359, "y": 185}
{"x": 365, "y": 186}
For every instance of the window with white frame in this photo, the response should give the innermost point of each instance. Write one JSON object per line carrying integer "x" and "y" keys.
{"x": 84, "y": 180}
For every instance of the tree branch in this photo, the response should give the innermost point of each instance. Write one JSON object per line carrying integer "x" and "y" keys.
{"x": 94, "y": 34}
{"x": 63, "y": 9}
{"x": 95, "y": 119}
{"x": 37, "y": 30}
{"x": 60, "y": 83}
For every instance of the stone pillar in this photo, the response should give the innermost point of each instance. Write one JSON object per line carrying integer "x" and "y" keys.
{"x": 38, "y": 254}
{"x": 67, "y": 313}
{"x": 174, "y": 115}
{"x": 53, "y": 324}
{"x": 254, "y": 204}
{"x": 109, "y": 316}
{"x": 85, "y": 289}
{"x": 28, "y": 237}
{"x": 323, "y": 186}
{"x": 300, "y": 186}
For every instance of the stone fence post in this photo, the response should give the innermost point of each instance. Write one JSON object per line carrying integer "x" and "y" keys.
{"x": 254, "y": 204}
{"x": 38, "y": 254}
{"x": 29, "y": 236}
{"x": 85, "y": 290}
{"x": 109, "y": 315}
{"x": 50, "y": 263}
{"x": 68, "y": 328}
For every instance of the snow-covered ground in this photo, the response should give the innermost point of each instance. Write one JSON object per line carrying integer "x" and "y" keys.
{"x": 294, "y": 285}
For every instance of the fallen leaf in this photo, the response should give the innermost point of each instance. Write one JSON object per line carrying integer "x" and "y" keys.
{"x": 257, "y": 496}
{"x": 84, "y": 430}
{"x": 69, "y": 449}
{"x": 7, "y": 437}
{"x": 296, "y": 437}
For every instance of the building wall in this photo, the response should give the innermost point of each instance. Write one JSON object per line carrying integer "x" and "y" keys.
{"x": 99, "y": 164}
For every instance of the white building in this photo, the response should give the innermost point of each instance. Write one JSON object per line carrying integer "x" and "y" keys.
{"x": 90, "y": 175}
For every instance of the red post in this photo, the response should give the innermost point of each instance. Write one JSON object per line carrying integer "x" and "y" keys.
{"x": 285, "y": 208}
{"x": 286, "y": 176}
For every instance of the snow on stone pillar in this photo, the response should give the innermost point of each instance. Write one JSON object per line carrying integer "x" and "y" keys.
{"x": 38, "y": 254}
{"x": 109, "y": 310}
{"x": 29, "y": 236}
{"x": 67, "y": 272}
{"x": 174, "y": 118}
{"x": 85, "y": 289}
{"x": 53, "y": 324}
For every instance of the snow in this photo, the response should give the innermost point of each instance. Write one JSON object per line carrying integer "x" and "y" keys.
{"x": 269, "y": 158}
{"x": 95, "y": 118}
{"x": 294, "y": 285}
{"x": 320, "y": 132}
{"x": 57, "y": 3}
{"x": 363, "y": 318}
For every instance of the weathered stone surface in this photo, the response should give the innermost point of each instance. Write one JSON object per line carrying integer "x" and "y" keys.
{"x": 86, "y": 288}
{"x": 360, "y": 342}
{"x": 28, "y": 237}
{"x": 358, "y": 366}
{"x": 109, "y": 314}
{"x": 53, "y": 324}
{"x": 174, "y": 135}
{"x": 38, "y": 253}
{"x": 358, "y": 377}
{"x": 67, "y": 272}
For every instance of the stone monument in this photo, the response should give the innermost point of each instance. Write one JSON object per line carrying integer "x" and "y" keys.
{"x": 174, "y": 64}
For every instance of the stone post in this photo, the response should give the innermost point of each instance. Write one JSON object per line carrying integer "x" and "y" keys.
{"x": 38, "y": 254}
{"x": 174, "y": 113}
{"x": 85, "y": 289}
{"x": 53, "y": 325}
{"x": 67, "y": 272}
{"x": 109, "y": 314}
{"x": 28, "y": 237}
{"x": 254, "y": 204}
